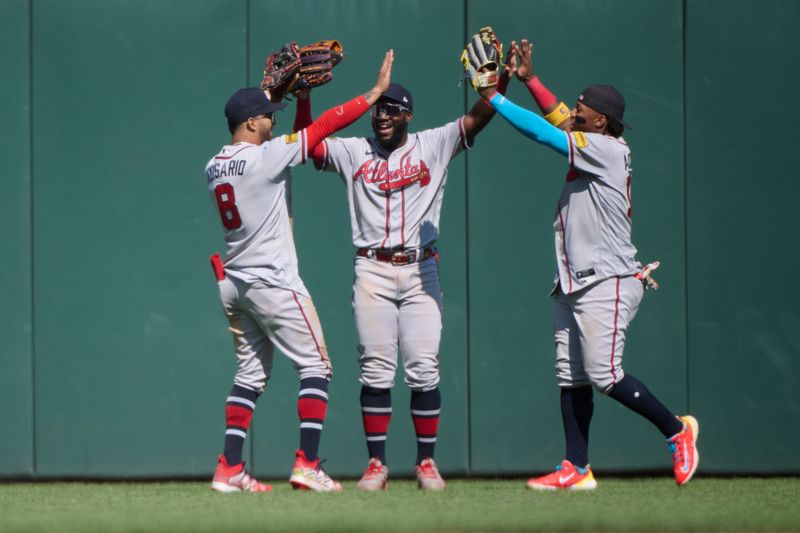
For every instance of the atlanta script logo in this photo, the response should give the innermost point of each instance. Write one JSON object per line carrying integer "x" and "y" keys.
{"x": 378, "y": 172}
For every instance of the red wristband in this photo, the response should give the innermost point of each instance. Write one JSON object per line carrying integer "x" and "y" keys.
{"x": 544, "y": 98}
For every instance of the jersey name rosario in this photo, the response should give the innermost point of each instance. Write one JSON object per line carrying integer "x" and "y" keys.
{"x": 222, "y": 169}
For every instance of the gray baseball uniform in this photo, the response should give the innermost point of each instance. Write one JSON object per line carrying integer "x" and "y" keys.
{"x": 599, "y": 285}
{"x": 265, "y": 300}
{"x": 395, "y": 201}
{"x": 597, "y": 295}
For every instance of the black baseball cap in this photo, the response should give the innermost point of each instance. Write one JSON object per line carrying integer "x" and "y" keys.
{"x": 607, "y": 100}
{"x": 399, "y": 94}
{"x": 250, "y": 102}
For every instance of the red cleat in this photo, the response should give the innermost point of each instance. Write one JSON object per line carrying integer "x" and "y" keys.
{"x": 684, "y": 450}
{"x": 428, "y": 477}
{"x": 375, "y": 476}
{"x": 235, "y": 478}
{"x": 567, "y": 476}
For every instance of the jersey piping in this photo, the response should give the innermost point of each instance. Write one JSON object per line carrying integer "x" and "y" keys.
{"x": 223, "y": 157}
{"x": 614, "y": 338}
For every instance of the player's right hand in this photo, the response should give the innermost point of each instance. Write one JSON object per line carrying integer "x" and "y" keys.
{"x": 525, "y": 57}
{"x": 385, "y": 73}
{"x": 384, "y": 78}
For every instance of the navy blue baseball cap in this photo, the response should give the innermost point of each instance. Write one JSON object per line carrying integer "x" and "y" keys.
{"x": 606, "y": 100}
{"x": 250, "y": 102}
{"x": 399, "y": 94}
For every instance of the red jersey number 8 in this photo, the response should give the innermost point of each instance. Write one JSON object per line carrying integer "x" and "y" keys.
{"x": 226, "y": 201}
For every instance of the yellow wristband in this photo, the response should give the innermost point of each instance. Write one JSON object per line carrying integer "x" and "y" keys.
{"x": 558, "y": 115}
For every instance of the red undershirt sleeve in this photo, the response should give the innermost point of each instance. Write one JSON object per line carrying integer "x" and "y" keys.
{"x": 334, "y": 120}
{"x": 302, "y": 117}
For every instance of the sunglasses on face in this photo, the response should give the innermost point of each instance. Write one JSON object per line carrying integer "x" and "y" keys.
{"x": 389, "y": 109}
{"x": 270, "y": 116}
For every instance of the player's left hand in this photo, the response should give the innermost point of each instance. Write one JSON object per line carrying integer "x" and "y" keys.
{"x": 482, "y": 58}
{"x": 512, "y": 63}
{"x": 281, "y": 71}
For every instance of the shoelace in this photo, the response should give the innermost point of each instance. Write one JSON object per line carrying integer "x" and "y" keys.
{"x": 673, "y": 444}
{"x": 677, "y": 451}
{"x": 319, "y": 466}
{"x": 374, "y": 469}
{"x": 248, "y": 481}
{"x": 320, "y": 475}
{"x": 428, "y": 470}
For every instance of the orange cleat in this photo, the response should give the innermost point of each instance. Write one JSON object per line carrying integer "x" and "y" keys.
{"x": 567, "y": 476}
{"x": 235, "y": 478}
{"x": 683, "y": 447}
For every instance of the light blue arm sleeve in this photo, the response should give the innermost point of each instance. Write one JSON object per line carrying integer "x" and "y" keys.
{"x": 531, "y": 125}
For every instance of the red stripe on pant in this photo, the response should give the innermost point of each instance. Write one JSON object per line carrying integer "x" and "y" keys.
{"x": 614, "y": 338}
{"x": 312, "y": 408}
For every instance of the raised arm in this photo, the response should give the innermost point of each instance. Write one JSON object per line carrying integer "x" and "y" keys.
{"x": 482, "y": 58}
{"x": 528, "y": 123}
{"x": 302, "y": 116}
{"x": 554, "y": 111}
{"x": 343, "y": 115}
{"x": 481, "y": 113}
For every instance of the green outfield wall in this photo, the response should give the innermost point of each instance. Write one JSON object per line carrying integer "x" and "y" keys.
{"x": 116, "y": 360}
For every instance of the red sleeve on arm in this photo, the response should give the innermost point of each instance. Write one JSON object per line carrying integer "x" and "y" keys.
{"x": 334, "y": 120}
{"x": 303, "y": 118}
{"x": 502, "y": 85}
{"x": 318, "y": 154}
{"x": 544, "y": 98}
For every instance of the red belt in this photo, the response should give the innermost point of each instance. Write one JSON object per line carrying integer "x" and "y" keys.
{"x": 397, "y": 257}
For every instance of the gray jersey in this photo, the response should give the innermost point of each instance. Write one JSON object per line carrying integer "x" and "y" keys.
{"x": 593, "y": 219}
{"x": 395, "y": 198}
{"x": 250, "y": 185}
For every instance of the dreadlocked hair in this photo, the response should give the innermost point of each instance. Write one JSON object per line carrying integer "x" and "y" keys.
{"x": 614, "y": 127}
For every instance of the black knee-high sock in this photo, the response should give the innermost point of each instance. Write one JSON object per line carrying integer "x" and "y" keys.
{"x": 577, "y": 407}
{"x": 238, "y": 414}
{"x": 312, "y": 406}
{"x": 425, "y": 409}
{"x": 376, "y": 413}
{"x": 631, "y": 393}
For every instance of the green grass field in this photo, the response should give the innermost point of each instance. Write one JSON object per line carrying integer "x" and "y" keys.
{"x": 640, "y": 504}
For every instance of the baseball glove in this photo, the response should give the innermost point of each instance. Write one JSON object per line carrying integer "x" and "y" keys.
{"x": 317, "y": 61}
{"x": 482, "y": 58}
{"x": 281, "y": 71}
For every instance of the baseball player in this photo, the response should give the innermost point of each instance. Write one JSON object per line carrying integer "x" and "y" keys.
{"x": 395, "y": 183}
{"x": 599, "y": 284}
{"x": 264, "y": 299}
